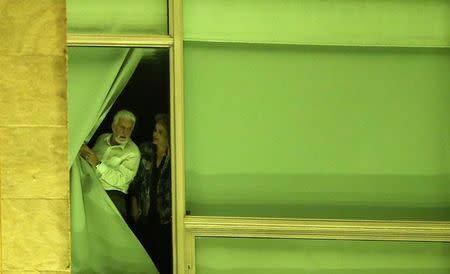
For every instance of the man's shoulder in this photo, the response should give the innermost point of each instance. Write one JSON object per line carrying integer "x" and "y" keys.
{"x": 101, "y": 140}
{"x": 103, "y": 136}
{"x": 132, "y": 147}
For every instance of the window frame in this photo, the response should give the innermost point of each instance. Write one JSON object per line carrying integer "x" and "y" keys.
{"x": 186, "y": 228}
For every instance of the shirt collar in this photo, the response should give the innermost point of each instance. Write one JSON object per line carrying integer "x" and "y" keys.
{"x": 108, "y": 138}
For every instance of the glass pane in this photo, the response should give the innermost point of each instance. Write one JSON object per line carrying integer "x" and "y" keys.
{"x": 117, "y": 17}
{"x": 317, "y": 132}
{"x": 349, "y": 22}
{"x": 273, "y": 256}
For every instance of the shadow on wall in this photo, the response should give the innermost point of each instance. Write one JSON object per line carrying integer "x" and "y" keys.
{"x": 331, "y": 196}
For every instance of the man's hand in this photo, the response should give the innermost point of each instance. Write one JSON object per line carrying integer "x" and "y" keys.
{"x": 89, "y": 155}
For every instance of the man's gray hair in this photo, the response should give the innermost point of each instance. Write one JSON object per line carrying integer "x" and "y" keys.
{"x": 124, "y": 114}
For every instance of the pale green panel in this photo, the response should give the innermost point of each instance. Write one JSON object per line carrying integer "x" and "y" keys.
{"x": 117, "y": 17}
{"x": 329, "y": 132}
{"x": 274, "y": 256}
{"x": 331, "y": 22}
{"x": 330, "y": 110}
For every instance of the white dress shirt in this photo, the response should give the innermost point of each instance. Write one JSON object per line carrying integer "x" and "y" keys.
{"x": 119, "y": 163}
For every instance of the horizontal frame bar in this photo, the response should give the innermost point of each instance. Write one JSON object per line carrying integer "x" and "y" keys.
{"x": 163, "y": 41}
{"x": 311, "y": 44}
{"x": 318, "y": 229}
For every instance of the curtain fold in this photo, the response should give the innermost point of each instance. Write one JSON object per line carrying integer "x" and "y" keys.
{"x": 96, "y": 78}
{"x": 101, "y": 240}
{"x": 123, "y": 76}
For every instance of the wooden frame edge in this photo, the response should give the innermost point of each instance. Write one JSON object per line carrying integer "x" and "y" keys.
{"x": 180, "y": 238}
{"x": 145, "y": 41}
{"x": 318, "y": 229}
{"x": 190, "y": 253}
{"x": 314, "y": 44}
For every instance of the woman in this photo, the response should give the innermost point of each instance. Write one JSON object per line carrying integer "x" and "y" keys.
{"x": 151, "y": 207}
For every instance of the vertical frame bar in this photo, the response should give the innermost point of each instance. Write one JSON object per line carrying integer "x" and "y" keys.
{"x": 190, "y": 253}
{"x": 177, "y": 114}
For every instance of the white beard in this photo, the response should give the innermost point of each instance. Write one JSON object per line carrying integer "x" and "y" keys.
{"x": 121, "y": 141}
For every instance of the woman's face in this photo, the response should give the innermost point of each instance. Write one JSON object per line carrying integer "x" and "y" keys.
{"x": 160, "y": 138}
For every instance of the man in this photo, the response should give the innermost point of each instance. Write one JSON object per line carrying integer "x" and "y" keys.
{"x": 116, "y": 158}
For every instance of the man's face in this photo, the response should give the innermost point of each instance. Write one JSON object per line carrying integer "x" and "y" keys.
{"x": 122, "y": 130}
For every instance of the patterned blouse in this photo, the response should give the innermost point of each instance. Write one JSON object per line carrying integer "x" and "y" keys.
{"x": 152, "y": 185}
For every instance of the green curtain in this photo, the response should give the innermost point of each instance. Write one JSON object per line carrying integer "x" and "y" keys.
{"x": 96, "y": 78}
{"x": 101, "y": 239}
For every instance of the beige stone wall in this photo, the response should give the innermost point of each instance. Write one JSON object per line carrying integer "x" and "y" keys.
{"x": 34, "y": 180}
